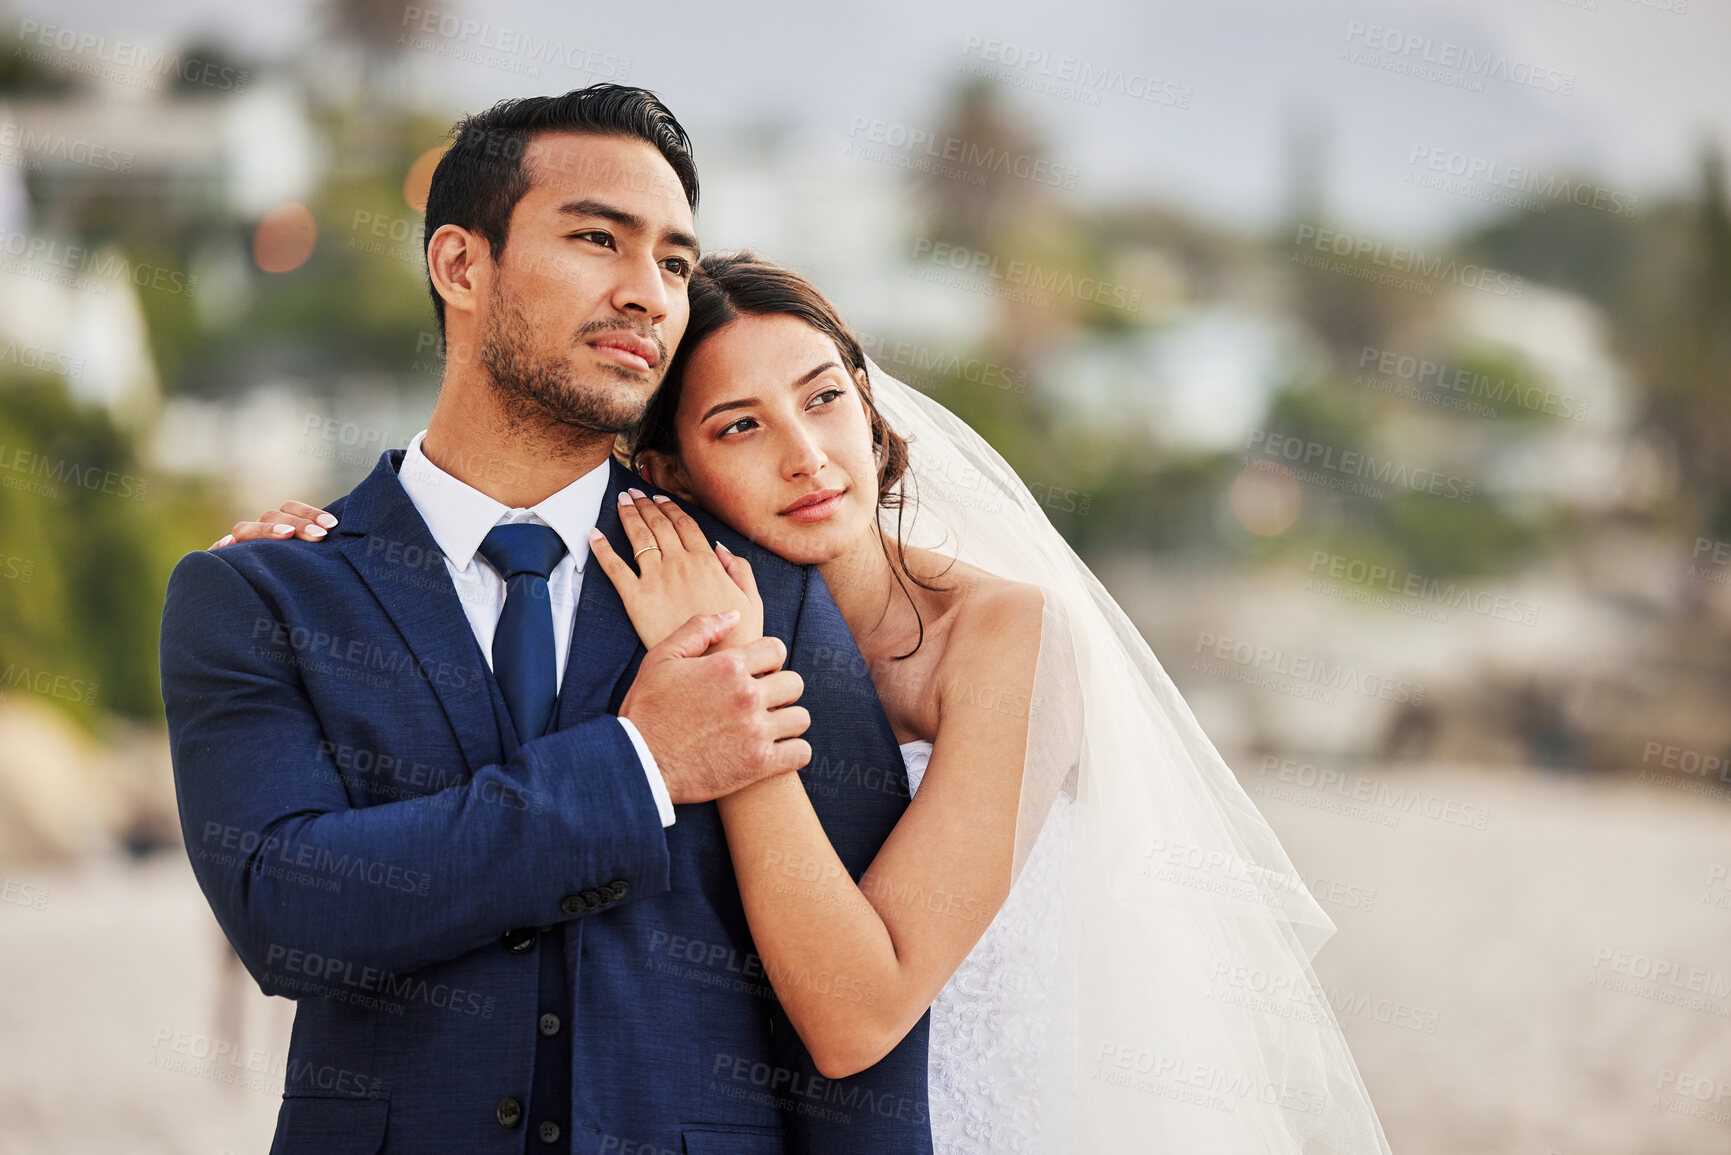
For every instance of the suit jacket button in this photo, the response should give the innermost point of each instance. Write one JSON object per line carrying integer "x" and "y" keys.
{"x": 519, "y": 941}
{"x": 509, "y": 1112}
{"x": 549, "y": 1024}
{"x": 619, "y": 888}
{"x": 549, "y": 1132}
{"x": 592, "y": 899}
{"x": 572, "y": 904}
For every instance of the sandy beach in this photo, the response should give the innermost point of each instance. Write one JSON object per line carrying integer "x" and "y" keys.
{"x": 1489, "y": 980}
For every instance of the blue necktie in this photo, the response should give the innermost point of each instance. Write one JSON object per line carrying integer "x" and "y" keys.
{"x": 524, "y": 554}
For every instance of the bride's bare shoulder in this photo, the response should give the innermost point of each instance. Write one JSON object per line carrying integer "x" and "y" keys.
{"x": 995, "y": 624}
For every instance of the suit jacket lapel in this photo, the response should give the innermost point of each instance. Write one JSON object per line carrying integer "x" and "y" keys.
{"x": 603, "y": 638}
{"x": 386, "y": 541}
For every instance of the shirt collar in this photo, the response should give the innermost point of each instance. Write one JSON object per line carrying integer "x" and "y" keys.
{"x": 458, "y": 515}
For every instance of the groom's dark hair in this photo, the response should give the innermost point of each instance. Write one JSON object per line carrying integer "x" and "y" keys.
{"x": 480, "y": 179}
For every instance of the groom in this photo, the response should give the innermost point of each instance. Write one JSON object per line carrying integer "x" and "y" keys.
{"x": 432, "y": 785}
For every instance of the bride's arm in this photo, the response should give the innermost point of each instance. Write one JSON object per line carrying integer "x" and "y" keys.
{"x": 856, "y": 966}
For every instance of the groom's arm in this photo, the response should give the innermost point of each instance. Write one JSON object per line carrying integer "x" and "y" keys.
{"x": 422, "y": 880}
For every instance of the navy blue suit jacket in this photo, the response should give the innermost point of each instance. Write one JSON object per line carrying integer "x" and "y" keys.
{"x": 377, "y": 846}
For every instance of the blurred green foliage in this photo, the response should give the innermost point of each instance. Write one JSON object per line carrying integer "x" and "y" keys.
{"x": 96, "y": 539}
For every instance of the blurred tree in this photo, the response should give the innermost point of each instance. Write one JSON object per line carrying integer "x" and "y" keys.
{"x": 93, "y": 541}
{"x": 1663, "y": 277}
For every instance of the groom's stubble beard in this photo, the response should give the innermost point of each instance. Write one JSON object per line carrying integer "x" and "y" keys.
{"x": 537, "y": 392}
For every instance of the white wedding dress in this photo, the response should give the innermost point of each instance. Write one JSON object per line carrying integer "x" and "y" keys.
{"x": 1113, "y": 1003}
{"x": 989, "y": 1024}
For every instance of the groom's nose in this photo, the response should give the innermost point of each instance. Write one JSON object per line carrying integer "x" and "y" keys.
{"x": 641, "y": 288}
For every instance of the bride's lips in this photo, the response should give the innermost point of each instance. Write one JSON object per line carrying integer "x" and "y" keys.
{"x": 627, "y": 349}
{"x": 815, "y": 506}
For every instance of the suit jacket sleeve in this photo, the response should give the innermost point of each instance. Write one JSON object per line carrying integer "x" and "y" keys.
{"x": 423, "y": 879}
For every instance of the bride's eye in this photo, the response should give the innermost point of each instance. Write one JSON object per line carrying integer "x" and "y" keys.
{"x": 827, "y": 396}
{"x": 743, "y": 421}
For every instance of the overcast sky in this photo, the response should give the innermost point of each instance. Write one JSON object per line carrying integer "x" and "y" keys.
{"x": 1648, "y": 83}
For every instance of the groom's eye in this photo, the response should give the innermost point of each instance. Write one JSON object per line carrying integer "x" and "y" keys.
{"x": 679, "y": 267}
{"x": 599, "y": 237}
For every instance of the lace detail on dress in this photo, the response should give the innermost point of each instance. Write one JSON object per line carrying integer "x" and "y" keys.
{"x": 989, "y": 1023}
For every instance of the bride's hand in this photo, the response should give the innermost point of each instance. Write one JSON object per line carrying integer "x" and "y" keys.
{"x": 678, "y": 574}
{"x": 294, "y": 519}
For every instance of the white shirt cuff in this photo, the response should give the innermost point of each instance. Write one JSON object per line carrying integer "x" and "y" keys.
{"x": 657, "y": 787}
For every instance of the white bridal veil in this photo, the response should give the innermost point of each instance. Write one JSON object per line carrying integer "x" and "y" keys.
{"x": 1183, "y": 1017}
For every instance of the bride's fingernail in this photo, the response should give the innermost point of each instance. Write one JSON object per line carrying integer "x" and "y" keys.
{"x": 595, "y": 535}
{"x": 227, "y": 539}
{"x": 638, "y": 493}
{"x": 661, "y": 499}
{"x": 280, "y": 528}
{"x": 719, "y": 548}
{"x": 327, "y": 520}
{"x": 624, "y": 497}
{"x": 315, "y": 531}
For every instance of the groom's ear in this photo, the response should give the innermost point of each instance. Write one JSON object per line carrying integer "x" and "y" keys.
{"x": 458, "y": 261}
{"x": 664, "y": 471}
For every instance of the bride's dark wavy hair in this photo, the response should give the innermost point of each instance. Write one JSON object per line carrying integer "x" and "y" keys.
{"x": 728, "y": 286}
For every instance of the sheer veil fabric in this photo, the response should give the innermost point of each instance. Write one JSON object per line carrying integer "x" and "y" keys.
{"x": 1182, "y": 1014}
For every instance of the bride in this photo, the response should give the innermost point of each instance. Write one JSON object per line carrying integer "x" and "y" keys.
{"x": 1114, "y": 948}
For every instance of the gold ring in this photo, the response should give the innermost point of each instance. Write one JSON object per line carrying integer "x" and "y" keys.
{"x": 643, "y": 551}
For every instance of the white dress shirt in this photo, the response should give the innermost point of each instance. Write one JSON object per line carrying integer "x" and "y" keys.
{"x": 459, "y": 516}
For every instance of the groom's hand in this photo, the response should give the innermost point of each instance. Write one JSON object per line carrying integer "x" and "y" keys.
{"x": 717, "y": 722}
